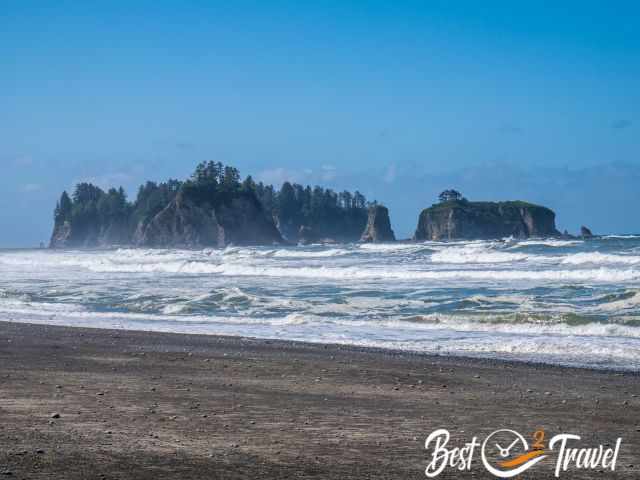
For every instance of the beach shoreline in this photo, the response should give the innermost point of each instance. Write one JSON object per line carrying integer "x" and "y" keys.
{"x": 132, "y": 404}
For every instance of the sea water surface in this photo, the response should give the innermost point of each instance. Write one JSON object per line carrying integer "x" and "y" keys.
{"x": 570, "y": 302}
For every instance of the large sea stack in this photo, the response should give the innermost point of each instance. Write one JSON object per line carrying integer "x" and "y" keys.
{"x": 461, "y": 219}
{"x": 585, "y": 232}
{"x": 378, "y": 227}
{"x": 212, "y": 208}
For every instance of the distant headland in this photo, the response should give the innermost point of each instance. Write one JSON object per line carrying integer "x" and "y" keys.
{"x": 215, "y": 208}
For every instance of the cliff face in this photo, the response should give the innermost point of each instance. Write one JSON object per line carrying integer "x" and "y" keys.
{"x": 61, "y": 236}
{"x": 378, "y": 227}
{"x": 89, "y": 235}
{"x": 241, "y": 221}
{"x": 585, "y": 232}
{"x": 342, "y": 229}
{"x": 180, "y": 224}
{"x": 484, "y": 220}
{"x": 238, "y": 220}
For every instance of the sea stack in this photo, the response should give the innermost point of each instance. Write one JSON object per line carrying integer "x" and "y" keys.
{"x": 585, "y": 232}
{"x": 462, "y": 219}
{"x": 378, "y": 227}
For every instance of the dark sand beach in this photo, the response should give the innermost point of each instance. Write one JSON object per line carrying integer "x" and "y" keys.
{"x": 83, "y": 403}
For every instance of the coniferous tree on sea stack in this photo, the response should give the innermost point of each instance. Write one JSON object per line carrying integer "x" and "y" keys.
{"x": 449, "y": 196}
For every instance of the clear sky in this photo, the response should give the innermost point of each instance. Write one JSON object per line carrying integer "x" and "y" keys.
{"x": 501, "y": 99}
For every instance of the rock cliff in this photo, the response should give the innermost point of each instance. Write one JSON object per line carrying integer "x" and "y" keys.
{"x": 235, "y": 218}
{"x": 182, "y": 223}
{"x": 179, "y": 224}
{"x": 378, "y": 227}
{"x": 585, "y": 232}
{"x": 242, "y": 222}
{"x": 88, "y": 235}
{"x": 61, "y": 236}
{"x": 461, "y": 219}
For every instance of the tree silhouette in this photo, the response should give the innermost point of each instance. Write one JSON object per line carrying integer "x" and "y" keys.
{"x": 449, "y": 196}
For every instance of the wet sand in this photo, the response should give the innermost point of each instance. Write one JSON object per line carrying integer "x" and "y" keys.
{"x": 84, "y": 403}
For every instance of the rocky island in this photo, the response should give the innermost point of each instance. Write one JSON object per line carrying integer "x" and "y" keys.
{"x": 457, "y": 218}
{"x": 214, "y": 208}
{"x": 211, "y": 208}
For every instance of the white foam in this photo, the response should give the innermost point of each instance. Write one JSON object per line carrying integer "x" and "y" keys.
{"x": 475, "y": 254}
{"x": 515, "y": 324}
{"x": 299, "y": 253}
{"x": 550, "y": 242}
{"x": 512, "y": 299}
{"x": 621, "y": 237}
{"x": 391, "y": 247}
{"x": 631, "y": 302}
{"x": 600, "y": 258}
{"x": 351, "y": 273}
{"x": 482, "y": 297}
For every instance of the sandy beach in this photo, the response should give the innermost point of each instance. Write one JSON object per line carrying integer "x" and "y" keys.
{"x": 87, "y": 403}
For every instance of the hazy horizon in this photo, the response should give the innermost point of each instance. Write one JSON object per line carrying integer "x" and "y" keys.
{"x": 498, "y": 100}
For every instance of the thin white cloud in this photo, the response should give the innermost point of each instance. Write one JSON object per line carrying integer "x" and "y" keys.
{"x": 108, "y": 180}
{"x": 31, "y": 187}
{"x": 277, "y": 176}
{"x": 391, "y": 173}
{"x": 329, "y": 172}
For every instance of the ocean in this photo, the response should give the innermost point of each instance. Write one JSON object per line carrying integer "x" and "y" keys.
{"x": 567, "y": 302}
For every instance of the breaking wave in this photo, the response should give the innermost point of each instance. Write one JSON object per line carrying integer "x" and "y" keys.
{"x": 600, "y": 258}
{"x": 560, "y": 301}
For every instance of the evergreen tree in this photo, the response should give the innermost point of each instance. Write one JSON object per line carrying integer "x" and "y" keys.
{"x": 287, "y": 207}
{"x": 449, "y": 196}
{"x": 249, "y": 185}
{"x": 63, "y": 210}
{"x": 231, "y": 179}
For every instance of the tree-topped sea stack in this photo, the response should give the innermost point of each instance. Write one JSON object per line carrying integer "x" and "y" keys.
{"x": 211, "y": 208}
{"x": 461, "y": 219}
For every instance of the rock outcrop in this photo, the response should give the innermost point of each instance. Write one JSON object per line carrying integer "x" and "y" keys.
{"x": 461, "y": 219}
{"x": 213, "y": 207}
{"x": 585, "y": 232}
{"x": 68, "y": 235}
{"x": 241, "y": 221}
{"x": 180, "y": 224}
{"x": 238, "y": 219}
{"x": 339, "y": 229}
{"x": 378, "y": 227}
{"x": 61, "y": 236}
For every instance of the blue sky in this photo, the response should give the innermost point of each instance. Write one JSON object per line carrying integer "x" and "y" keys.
{"x": 398, "y": 99}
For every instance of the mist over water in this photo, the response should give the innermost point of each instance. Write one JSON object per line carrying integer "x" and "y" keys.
{"x": 556, "y": 301}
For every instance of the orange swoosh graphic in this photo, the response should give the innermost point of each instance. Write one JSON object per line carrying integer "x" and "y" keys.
{"x": 521, "y": 459}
